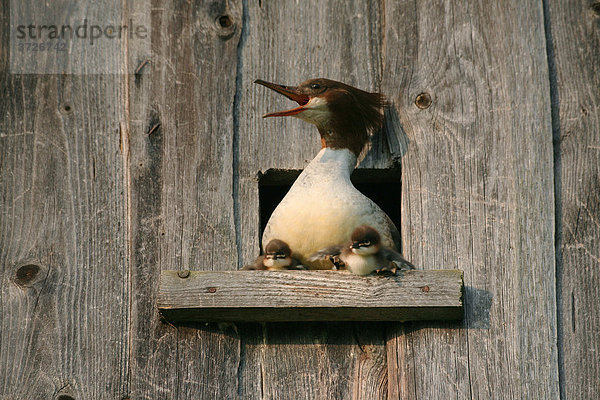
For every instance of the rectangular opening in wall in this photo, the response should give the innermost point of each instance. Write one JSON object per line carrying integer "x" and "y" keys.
{"x": 383, "y": 186}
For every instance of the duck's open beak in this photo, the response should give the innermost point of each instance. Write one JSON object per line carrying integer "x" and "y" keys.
{"x": 292, "y": 93}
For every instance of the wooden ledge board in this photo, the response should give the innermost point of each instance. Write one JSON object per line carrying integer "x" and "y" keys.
{"x": 253, "y": 296}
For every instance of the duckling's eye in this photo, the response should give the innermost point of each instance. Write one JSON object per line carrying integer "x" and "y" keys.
{"x": 315, "y": 86}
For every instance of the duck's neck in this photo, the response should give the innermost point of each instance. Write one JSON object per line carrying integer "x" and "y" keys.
{"x": 332, "y": 162}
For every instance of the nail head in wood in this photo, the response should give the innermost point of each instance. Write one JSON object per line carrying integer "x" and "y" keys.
{"x": 184, "y": 274}
{"x": 310, "y": 296}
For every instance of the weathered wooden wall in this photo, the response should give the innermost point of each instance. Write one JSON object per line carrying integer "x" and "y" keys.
{"x": 575, "y": 75}
{"x": 105, "y": 180}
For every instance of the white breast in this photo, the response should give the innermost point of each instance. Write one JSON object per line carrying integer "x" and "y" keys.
{"x": 323, "y": 208}
{"x": 272, "y": 263}
{"x": 360, "y": 265}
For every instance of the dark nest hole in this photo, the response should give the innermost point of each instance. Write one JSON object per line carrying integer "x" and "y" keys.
{"x": 380, "y": 185}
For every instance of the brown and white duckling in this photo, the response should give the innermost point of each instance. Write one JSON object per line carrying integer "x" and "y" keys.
{"x": 278, "y": 256}
{"x": 363, "y": 254}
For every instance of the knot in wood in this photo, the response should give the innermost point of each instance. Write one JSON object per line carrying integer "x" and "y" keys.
{"x": 26, "y": 274}
{"x": 225, "y": 26}
{"x": 225, "y": 21}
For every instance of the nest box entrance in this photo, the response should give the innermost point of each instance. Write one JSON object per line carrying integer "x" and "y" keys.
{"x": 380, "y": 185}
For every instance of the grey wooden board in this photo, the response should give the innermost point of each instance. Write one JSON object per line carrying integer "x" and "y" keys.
{"x": 577, "y": 133}
{"x": 310, "y": 296}
{"x": 181, "y": 134}
{"x": 477, "y": 195}
{"x": 64, "y": 331}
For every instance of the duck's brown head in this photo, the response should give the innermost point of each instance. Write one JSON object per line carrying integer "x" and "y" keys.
{"x": 344, "y": 115}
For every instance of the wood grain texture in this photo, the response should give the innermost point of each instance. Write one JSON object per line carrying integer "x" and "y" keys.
{"x": 63, "y": 252}
{"x": 339, "y": 361}
{"x": 310, "y": 296}
{"x": 181, "y": 134}
{"x": 477, "y": 195}
{"x": 577, "y": 136}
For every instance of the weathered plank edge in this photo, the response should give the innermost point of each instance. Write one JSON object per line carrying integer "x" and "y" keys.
{"x": 188, "y": 301}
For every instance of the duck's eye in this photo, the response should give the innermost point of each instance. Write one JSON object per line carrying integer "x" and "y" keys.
{"x": 315, "y": 86}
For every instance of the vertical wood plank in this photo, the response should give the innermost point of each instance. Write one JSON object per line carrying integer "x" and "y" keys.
{"x": 575, "y": 35}
{"x": 63, "y": 250}
{"x": 181, "y": 137}
{"x": 477, "y": 195}
{"x": 288, "y": 42}
{"x": 314, "y": 361}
